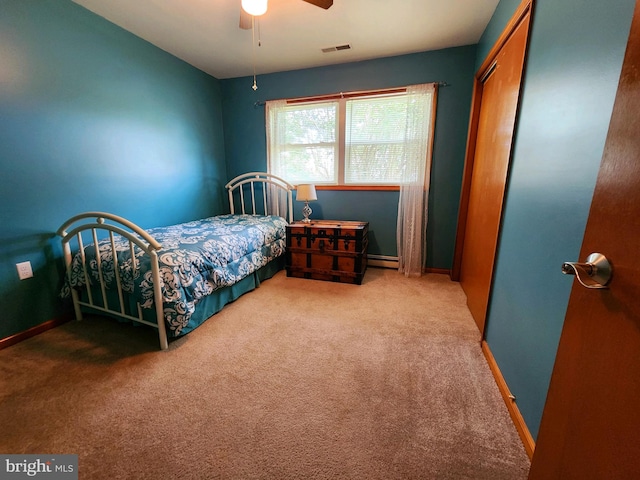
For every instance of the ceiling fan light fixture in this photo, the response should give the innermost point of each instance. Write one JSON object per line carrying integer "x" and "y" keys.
{"x": 254, "y": 7}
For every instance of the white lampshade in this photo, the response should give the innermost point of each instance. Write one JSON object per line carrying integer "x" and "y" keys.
{"x": 306, "y": 193}
{"x": 254, "y": 7}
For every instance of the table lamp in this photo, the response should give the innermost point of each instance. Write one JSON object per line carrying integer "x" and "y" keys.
{"x": 306, "y": 193}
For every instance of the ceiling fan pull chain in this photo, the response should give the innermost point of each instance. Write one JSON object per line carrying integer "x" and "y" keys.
{"x": 253, "y": 48}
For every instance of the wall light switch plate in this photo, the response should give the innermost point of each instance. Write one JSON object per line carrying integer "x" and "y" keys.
{"x": 24, "y": 270}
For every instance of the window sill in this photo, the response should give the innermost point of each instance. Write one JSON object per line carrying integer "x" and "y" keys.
{"x": 388, "y": 188}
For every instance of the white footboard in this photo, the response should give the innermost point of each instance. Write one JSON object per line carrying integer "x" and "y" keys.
{"x": 90, "y": 227}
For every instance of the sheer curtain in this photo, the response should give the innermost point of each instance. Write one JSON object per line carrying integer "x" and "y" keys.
{"x": 414, "y": 186}
{"x": 276, "y": 128}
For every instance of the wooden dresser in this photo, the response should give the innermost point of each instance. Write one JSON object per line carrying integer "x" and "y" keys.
{"x": 327, "y": 250}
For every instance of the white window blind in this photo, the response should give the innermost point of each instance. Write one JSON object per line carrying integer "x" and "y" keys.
{"x": 376, "y": 139}
{"x": 302, "y": 141}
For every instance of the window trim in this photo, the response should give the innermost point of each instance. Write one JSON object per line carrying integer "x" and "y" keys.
{"x": 390, "y": 188}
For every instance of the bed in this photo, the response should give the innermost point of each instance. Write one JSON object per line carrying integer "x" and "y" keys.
{"x": 174, "y": 278}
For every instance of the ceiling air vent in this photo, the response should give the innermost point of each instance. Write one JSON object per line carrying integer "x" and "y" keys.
{"x": 337, "y": 48}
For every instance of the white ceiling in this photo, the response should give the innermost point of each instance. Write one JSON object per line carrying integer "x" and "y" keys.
{"x": 205, "y": 33}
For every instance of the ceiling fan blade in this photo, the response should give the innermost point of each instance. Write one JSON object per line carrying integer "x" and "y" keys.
{"x": 245, "y": 20}
{"x": 320, "y": 3}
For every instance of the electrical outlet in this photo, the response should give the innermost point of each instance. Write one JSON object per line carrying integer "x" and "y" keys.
{"x": 24, "y": 270}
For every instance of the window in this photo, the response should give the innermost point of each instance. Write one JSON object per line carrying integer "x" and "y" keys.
{"x": 362, "y": 139}
{"x": 304, "y": 142}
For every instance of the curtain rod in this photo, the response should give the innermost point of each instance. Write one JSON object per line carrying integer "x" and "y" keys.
{"x": 333, "y": 96}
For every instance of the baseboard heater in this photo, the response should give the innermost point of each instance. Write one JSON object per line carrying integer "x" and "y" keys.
{"x": 383, "y": 261}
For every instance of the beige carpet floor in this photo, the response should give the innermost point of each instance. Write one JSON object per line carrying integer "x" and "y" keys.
{"x": 299, "y": 379}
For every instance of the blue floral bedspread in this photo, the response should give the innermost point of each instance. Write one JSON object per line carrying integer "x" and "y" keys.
{"x": 196, "y": 259}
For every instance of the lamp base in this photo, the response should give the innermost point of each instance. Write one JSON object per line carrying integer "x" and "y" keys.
{"x": 306, "y": 211}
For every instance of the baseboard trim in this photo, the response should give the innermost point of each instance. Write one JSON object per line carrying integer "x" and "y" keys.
{"x": 443, "y": 271}
{"x": 510, "y": 401}
{"x": 33, "y": 331}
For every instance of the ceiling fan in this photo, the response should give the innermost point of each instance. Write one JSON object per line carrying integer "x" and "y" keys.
{"x": 246, "y": 17}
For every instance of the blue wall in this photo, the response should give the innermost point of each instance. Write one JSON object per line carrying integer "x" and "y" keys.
{"x": 93, "y": 118}
{"x": 575, "y": 57}
{"x": 245, "y": 142}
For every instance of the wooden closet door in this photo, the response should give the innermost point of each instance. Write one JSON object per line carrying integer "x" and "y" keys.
{"x": 500, "y": 90}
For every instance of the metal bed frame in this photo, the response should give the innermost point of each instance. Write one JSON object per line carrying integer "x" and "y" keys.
{"x": 256, "y": 193}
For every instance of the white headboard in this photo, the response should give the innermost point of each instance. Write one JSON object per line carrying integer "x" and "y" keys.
{"x": 260, "y": 193}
